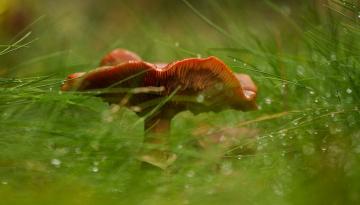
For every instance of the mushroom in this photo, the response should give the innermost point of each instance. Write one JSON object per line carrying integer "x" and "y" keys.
{"x": 160, "y": 91}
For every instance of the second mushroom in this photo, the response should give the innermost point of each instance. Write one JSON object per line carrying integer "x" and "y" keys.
{"x": 160, "y": 91}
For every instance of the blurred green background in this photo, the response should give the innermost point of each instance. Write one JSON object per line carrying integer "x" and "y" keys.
{"x": 301, "y": 147}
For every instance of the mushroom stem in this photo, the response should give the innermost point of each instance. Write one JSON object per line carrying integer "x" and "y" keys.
{"x": 156, "y": 150}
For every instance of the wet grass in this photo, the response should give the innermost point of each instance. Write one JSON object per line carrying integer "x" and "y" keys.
{"x": 301, "y": 147}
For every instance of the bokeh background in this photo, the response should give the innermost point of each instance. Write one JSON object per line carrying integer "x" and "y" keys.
{"x": 78, "y": 33}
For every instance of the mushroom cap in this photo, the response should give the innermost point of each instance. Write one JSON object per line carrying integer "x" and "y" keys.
{"x": 194, "y": 84}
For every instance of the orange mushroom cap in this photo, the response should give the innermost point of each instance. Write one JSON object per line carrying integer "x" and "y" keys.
{"x": 200, "y": 84}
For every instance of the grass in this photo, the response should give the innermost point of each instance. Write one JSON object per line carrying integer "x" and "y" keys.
{"x": 301, "y": 147}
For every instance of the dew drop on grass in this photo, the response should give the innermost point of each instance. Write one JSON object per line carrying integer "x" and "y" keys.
{"x": 338, "y": 130}
{"x": 234, "y": 60}
{"x": 4, "y": 182}
{"x": 348, "y": 91}
{"x": 333, "y": 57}
{"x": 188, "y": 187}
{"x": 268, "y": 101}
{"x": 190, "y": 174}
{"x": 95, "y": 169}
{"x": 323, "y": 149}
{"x": 300, "y": 70}
{"x": 56, "y": 162}
{"x": 278, "y": 190}
{"x": 177, "y": 44}
{"x": 200, "y": 98}
{"x": 283, "y": 153}
{"x": 312, "y": 92}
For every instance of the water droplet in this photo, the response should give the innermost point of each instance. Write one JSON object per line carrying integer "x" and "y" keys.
{"x": 239, "y": 157}
{"x": 190, "y": 174}
{"x": 348, "y": 91}
{"x": 4, "y": 182}
{"x": 300, "y": 70}
{"x": 234, "y": 60}
{"x": 95, "y": 169}
{"x": 268, "y": 101}
{"x": 177, "y": 44}
{"x": 188, "y": 186}
{"x": 333, "y": 57}
{"x": 312, "y": 92}
{"x": 56, "y": 162}
{"x": 200, "y": 98}
{"x": 323, "y": 149}
{"x": 278, "y": 189}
